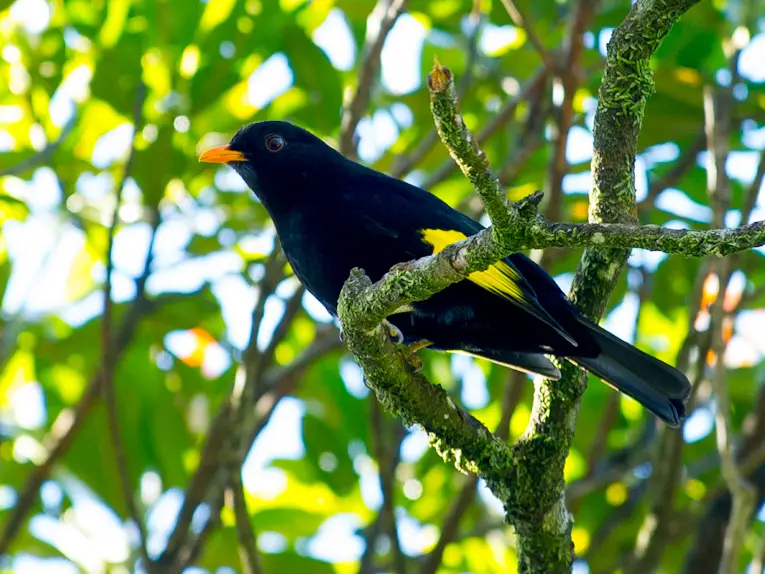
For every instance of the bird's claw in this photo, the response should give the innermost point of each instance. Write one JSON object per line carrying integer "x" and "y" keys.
{"x": 393, "y": 332}
{"x": 410, "y": 351}
{"x": 419, "y": 346}
{"x": 415, "y": 362}
{"x": 412, "y": 358}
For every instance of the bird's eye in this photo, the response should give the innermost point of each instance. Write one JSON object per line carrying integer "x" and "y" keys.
{"x": 274, "y": 142}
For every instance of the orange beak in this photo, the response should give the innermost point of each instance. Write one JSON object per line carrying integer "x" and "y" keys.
{"x": 221, "y": 154}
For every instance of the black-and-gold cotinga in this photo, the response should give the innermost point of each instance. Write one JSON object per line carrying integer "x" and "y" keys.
{"x": 332, "y": 214}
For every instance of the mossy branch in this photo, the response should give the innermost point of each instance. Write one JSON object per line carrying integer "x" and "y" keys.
{"x": 392, "y": 374}
{"x": 422, "y": 278}
{"x": 691, "y": 243}
{"x": 528, "y": 477}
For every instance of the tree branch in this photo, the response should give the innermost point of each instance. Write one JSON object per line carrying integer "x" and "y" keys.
{"x": 691, "y": 243}
{"x": 44, "y": 154}
{"x": 108, "y": 363}
{"x": 527, "y": 478}
{"x": 248, "y": 547}
{"x": 517, "y": 226}
{"x": 717, "y": 108}
{"x": 512, "y": 397}
{"x": 521, "y": 22}
{"x": 63, "y": 438}
{"x": 380, "y": 23}
{"x": 533, "y": 87}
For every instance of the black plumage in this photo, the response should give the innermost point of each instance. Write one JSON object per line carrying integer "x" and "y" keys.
{"x": 332, "y": 214}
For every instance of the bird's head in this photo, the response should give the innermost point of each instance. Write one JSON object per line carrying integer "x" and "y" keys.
{"x": 279, "y": 161}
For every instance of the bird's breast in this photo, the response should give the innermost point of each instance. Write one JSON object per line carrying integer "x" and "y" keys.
{"x": 323, "y": 246}
{"x": 320, "y": 256}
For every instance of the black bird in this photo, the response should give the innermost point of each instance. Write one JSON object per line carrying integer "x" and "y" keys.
{"x": 332, "y": 214}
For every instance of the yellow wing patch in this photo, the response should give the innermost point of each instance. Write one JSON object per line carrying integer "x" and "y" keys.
{"x": 500, "y": 278}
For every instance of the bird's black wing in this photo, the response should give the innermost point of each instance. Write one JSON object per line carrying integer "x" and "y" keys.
{"x": 422, "y": 224}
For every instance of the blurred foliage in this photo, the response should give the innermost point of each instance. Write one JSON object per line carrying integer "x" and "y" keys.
{"x": 70, "y": 78}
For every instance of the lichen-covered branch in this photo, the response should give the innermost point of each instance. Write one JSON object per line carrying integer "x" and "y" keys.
{"x": 527, "y": 478}
{"x": 517, "y": 226}
{"x": 464, "y": 149}
{"x": 526, "y": 229}
{"x": 626, "y": 85}
{"x": 691, "y": 243}
{"x": 406, "y": 393}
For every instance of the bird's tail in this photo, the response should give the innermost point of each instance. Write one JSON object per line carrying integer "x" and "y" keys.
{"x": 657, "y": 386}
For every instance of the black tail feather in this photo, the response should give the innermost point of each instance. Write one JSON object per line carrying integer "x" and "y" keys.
{"x": 660, "y": 388}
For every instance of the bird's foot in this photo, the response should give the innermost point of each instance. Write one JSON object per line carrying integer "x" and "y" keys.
{"x": 393, "y": 332}
{"x": 419, "y": 346}
{"x": 415, "y": 362}
{"x": 411, "y": 350}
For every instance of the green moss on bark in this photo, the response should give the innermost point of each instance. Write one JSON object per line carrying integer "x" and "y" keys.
{"x": 527, "y": 478}
{"x": 544, "y": 542}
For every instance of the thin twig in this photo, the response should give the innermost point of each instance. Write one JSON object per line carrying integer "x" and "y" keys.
{"x": 44, "y": 155}
{"x": 519, "y": 20}
{"x": 248, "y": 546}
{"x": 278, "y": 383}
{"x": 221, "y": 427}
{"x": 751, "y": 195}
{"x": 379, "y": 25}
{"x": 758, "y": 564}
{"x": 652, "y": 538}
{"x": 610, "y": 525}
{"x": 275, "y": 385}
{"x": 291, "y": 308}
{"x": 450, "y": 527}
{"x": 569, "y": 82}
{"x": 529, "y": 142}
{"x": 196, "y": 489}
{"x": 683, "y": 165}
{"x": 703, "y": 557}
{"x": 190, "y": 550}
{"x": 108, "y": 364}
{"x": 717, "y": 112}
{"x": 386, "y": 444}
{"x": 568, "y": 78}
{"x": 532, "y": 89}
{"x": 63, "y": 438}
{"x": 662, "y": 484}
{"x": 40, "y": 474}
{"x": 407, "y": 161}
{"x": 615, "y": 467}
{"x": 742, "y": 492}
